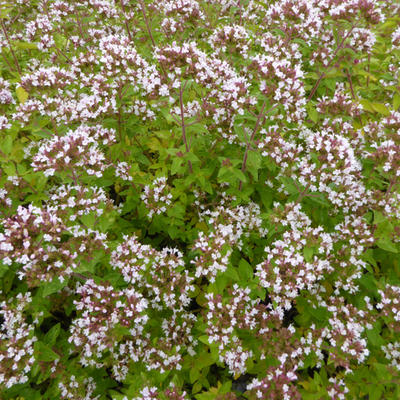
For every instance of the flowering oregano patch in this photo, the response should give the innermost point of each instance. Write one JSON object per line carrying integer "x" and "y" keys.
{"x": 199, "y": 199}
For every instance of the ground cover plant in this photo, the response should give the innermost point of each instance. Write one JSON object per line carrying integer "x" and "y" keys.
{"x": 199, "y": 199}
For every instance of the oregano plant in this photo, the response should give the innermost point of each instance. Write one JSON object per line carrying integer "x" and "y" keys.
{"x": 199, "y": 199}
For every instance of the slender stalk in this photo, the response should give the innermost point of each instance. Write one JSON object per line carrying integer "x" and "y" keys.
{"x": 391, "y": 184}
{"x": 260, "y": 116}
{"x": 303, "y": 194}
{"x": 119, "y": 115}
{"x": 142, "y": 6}
{"x": 7, "y": 62}
{"x": 183, "y": 124}
{"x": 351, "y": 84}
{"x": 10, "y": 46}
{"x": 125, "y": 21}
{"x": 327, "y": 68}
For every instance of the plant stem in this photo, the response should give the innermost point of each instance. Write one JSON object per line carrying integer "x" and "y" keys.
{"x": 142, "y": 6}
{"x": 125, "y": 21}
{"x": 260, "y": 115}
{"x": 183, "y": 125}
{"x": 11, "y": 49}
{"x": 351, "y": 84}
{"x": 323, "y": 74}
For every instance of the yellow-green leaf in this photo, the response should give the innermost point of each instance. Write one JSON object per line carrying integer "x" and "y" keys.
{"x": 367, "y": 105}
{"x": 22, "y": 94}
{"x": 26, "y": 45}
{"x": 381, "y": 109}
{"x": 396, "y": 101}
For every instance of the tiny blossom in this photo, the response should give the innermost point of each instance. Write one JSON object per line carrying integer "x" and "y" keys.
{"x": 389, "y": 306}
{"x": 276, "y": 385}
{"x": 337, "y": 389}
{"x": 4, "y": 123}
{"x": 396, "y": 38}
{"x": 286, "y": 271}
{"x": 231, "y": 37}
{"x": 73, "y": 389}
{"x": 16, "y": 342}
{"x": 122, "y": 170}
{"x": 5, "y": 92}
{"x": 274, "y": 275}
{"x": 152, "y": 393}
{"x": 160, "y": 273}
{"x": 102, "y": 310}
{"x": 223, "y": 320}
{"x": 229, "y": 226}
{"x": 77, "y": 150}
{"x": 4, "y": 200}
{"x": 179, "y": 13}
{"x": 74, "y": 201}
{"x": 392, "y": 353}
{"x": 362, "y": 40}
{"x": 156, "y": 197}
{"x": 32, "y": 238}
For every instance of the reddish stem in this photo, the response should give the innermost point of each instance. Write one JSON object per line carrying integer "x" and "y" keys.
{"x": 323, "y": 74}
{"x": 11, "y": 49}
{"x": 142, "y": 6}
{"x": 183, "y": 125}
{"x": 260, "y": 115}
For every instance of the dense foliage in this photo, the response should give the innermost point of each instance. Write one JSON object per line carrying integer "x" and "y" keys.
{"x": 200, "y": 199}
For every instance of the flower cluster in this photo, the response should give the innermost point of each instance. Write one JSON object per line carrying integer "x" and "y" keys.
{"x": 389, "y": 306}
{"x": 276, "y": 385}
{"x": 228, "y": 227}
{"x": 16, "y": 341}
{"x": 75, "y": 390}
{"x": 45, "y": 247}
{"x": 157, "y": 197}
{"x": 77, "y": 151}
{"x": 152, "y": 393}
{"x": 105, "y": 315}
{"x": 159, "y": 273}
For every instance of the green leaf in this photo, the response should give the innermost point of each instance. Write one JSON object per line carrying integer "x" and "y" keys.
{"x": 45, "y": 353}
{"x": 204, "y": 360}
{"x": 177, "y": 211}
{"x": 308, "y": 253}
{"x": 245, "y": 270}
{"x": 196, "y": 387}
{"x": 375, "y": 392}
{"x": 26, "y": 45}
{"x": 7, "y": 144}
{"x": 22, "y": 94}
{"x": 232, "y": 273}
{"x": 52, "y": 335}
{"x": 378, "y": 217}
{"x": 387, "y": 245}
{"x": 374, "y": 338}
{"x": 8, "y": 280}
{"x": 253, "y": 163}
{"x": 239, "y": 174}
{"x": 396, "y": 101}
{"x": 367, "y": 105}
{"x": 320, "y": 313}
{"x": 5, "y": 10}
{"x": 88, "y": 220}
{"x": 381, "y": 109}
{"x": 177, "y": 166}
{"x": 194, "y": 374}
{"x": 53, "y": 287}
{"x": 313, "y": 114}
{"x": 204, "y": 339}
